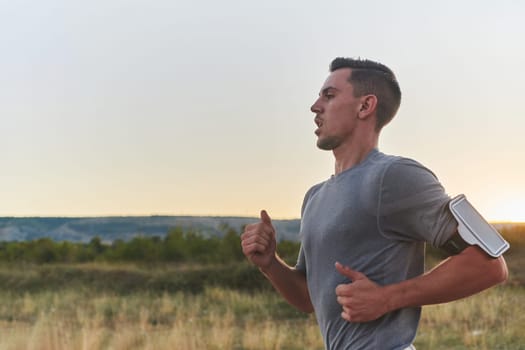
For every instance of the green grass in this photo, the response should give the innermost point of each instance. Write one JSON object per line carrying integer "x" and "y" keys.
{"x": 129, "y": 278}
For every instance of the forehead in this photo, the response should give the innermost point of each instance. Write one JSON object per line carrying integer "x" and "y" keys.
{"x": 338, "y": 79}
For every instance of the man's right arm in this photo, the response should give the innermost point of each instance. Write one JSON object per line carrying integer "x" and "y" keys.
{"x": 259, "y": 246}
{"x": 290, "y": 282}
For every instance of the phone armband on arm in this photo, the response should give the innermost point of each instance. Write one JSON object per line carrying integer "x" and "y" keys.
{"x": 474, "y": 229}
{"x": 454, "y": 245}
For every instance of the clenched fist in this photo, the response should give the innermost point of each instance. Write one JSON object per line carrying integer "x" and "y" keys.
{"x": 258, "y": 241}
{"x": 362, "y": 300}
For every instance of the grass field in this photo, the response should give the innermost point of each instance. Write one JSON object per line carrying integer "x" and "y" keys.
{"x": 226, "y": 319}
{"x": 97, "y": 306}
{"x": 215, "y": 319}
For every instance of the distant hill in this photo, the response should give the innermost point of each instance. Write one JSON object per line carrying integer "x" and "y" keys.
{"x": 82, "y": 229}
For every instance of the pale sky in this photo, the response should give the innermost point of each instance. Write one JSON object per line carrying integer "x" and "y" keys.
{"x": 202, "y": 107}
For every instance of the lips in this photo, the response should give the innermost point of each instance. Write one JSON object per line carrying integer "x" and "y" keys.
{"x": 319, "y": 122}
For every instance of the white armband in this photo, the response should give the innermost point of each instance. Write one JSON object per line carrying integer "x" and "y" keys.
{"x": 474, "y": 229}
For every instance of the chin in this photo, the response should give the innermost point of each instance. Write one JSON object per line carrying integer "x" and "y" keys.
{"x": 325, "y": 146}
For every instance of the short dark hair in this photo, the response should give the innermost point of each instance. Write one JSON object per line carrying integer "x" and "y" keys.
{"x": 369, "y": 77}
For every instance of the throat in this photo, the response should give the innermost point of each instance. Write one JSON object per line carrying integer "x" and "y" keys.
{"x": 350, "y": 160}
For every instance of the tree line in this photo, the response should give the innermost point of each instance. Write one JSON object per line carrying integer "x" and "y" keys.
{"x": 177, "y": 246}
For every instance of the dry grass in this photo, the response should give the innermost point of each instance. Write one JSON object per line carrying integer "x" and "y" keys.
{"x": 225, "y": 319}
{"x": 91, "y": 318}
{"x": 493, "y": 319}
{"x": 217, "y": 319}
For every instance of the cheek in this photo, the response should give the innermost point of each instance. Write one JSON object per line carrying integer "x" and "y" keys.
{"x": 341, "y": 118}
{"x": 343, "y": 110}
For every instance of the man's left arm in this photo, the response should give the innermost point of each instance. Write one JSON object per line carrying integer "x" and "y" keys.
{"x": 456, "y": 277}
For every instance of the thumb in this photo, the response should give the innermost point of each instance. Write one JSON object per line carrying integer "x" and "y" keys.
{"x": 348, "y": 272}
{"x": 265, "y": 218}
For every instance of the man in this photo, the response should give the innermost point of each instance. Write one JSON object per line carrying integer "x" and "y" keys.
{"x": 361, "y": 263}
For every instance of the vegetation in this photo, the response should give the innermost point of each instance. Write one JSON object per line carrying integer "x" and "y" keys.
{"x": 215, "y": 319}
{"x": 177, "y": 246}
{"x": 186, "y": 292}
{"x": 222, "y": 318}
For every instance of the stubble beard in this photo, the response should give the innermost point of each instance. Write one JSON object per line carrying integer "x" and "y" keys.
{"x": 328, "y": 143}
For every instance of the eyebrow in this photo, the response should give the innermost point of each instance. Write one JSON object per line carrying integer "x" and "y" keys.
{"x": 327, "y": 89}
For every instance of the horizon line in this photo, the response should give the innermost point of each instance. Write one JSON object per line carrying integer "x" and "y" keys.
{"x": 497, "y": 221}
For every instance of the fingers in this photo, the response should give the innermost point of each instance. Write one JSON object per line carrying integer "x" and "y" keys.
{"x": 255, "y": 243}
{"x": 348, "y": 272}
{"x": 265, "y": 218}
{"x": 264, "y": 226}
{"x": 348, "y": 304}
{"x": 344, "y": 300}
{"x": 258, "y": 238}
{"x": 258, "y": 232}
{"x": 346, "y": 314}
{"x": 344, "y": 290}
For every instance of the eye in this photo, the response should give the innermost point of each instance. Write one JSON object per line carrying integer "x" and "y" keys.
{"x": 328, "y": 96}
{"x": 328, "y": 93}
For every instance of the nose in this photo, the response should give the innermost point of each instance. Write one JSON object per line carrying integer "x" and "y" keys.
{"x": 316, "y": 107}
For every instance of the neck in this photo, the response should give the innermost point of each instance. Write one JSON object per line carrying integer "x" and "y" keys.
{"x": 351, "y": 155}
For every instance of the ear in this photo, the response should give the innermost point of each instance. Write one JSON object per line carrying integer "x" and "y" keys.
{"x": 368, "y": 106}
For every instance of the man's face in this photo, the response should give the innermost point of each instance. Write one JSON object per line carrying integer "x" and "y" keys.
{"x": 336, "y": 111}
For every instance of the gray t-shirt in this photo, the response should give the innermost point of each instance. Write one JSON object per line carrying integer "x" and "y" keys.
{"x": 374, "y": 218}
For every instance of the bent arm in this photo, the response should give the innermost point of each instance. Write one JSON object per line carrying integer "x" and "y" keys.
{"x": 290, "y": 283}
{"x": 457, "y": 277}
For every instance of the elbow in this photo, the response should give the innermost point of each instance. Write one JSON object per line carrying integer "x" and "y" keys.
{"x": 504, "y": 272}
{"x": 307, "y": 309}
{"x": 304, "y": 305}
{"x": 492, "y": 271}
{"x": 498, "y": 270}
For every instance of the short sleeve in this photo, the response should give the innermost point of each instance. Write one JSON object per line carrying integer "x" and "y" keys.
{"x": 301, "y": 263}
{"x": 413, "y": 205}
{"x": 301, "y": 260}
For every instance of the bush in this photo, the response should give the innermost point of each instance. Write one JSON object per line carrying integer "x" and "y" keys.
{"x": 178, "y": 246}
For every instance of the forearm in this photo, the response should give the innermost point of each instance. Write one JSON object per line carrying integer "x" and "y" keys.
{"x": 290, "y": 283}
{"x": 457, "y": 277}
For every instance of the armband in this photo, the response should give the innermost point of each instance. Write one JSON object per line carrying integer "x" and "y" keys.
{"x": 475, "y": 230}
{"x": 454, "y": 245}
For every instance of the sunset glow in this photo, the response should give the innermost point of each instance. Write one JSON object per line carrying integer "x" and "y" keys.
{"x": 182, "y": 108}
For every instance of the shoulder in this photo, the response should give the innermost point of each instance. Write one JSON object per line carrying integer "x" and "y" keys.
{"x": 379, "y": 162}
{"x": 313, "y": 190}
{"x": 406, "y": 183}
{"x": 405, "y": 175}
{"x": 384, "y": 169}
{"x": 403, "y": 167}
